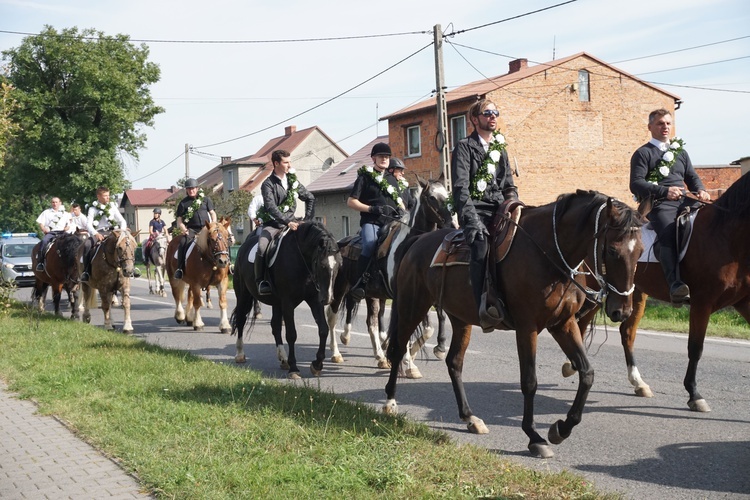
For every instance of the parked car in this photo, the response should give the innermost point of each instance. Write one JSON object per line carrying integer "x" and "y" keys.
{"x": 15, "y": 257}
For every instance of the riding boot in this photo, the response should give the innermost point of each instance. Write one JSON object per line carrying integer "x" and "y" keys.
{"x": 264, "y": 287}
{"x": 40, "y": 261}
{"x": 679, "y": 293}
{"x": 358, "y": 290}
{"x": 87, "y": 249}
{"x": 490, "y": 317}
{"x": 181, "y": 251}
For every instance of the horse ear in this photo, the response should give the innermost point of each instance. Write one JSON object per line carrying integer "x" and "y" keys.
{"x": 421, "y": 181}
{"x": 441, "y": 179}
{"x": 227, "y": 221}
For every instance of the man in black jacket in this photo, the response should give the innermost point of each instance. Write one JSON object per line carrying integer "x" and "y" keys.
{"x": 192, "y": 213}
{"x": 280, "y": 192}
{"x": 482, "y": 180}
{"x": 659, "y": 170}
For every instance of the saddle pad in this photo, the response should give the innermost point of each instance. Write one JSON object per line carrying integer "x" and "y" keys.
{"x": 452, "y": 251}
{"x": 191, "y": 245}
{"x": 648, "y": 237}
{"x": 254, "y": 251}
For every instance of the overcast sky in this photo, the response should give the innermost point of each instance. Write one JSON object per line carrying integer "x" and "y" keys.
{"x": 215, "y": 92}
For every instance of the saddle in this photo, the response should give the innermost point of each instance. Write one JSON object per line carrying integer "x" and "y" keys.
{"x": 683, "y": 232}
{"x": 351, "y": 248}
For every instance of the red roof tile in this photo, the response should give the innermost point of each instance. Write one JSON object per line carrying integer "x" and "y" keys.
{"x": 146, "y": 197}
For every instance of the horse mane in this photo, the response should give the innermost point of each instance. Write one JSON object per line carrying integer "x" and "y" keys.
{"x": 313, "y": 233}
{"x": 68, "y": 245}
{"x": 625, "y": 218}
{"x": 735, "y": 202}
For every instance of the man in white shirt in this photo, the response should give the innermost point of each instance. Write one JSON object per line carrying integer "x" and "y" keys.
{"x": 52, "y": 222}
{"x": 79, "y": 222}
{"x": 252, "y": 211}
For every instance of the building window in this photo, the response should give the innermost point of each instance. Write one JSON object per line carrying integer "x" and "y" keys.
{"x": 345, "y": 225}
{"x": 458, "y": 130}
{"x": 413, "y": 141}
{"x": 228, "y": 181}
{"x": 583, "y": 86}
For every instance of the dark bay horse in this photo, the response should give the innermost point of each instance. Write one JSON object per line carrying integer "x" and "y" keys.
{"x": 60, "y": 271}
{"x": 429, "y": 213}
{"x": 305, "y": 269}
{"x": 206, "y": 264}
{"x": 157, "y": 258}
{"x": 716, "y": 267}
{"x": 111, "y": 269}
{"x": 542, "y": 291}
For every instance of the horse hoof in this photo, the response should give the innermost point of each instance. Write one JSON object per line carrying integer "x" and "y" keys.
{"x": 345, "y": 339}
{"x": 699, "y": 405}
{"x": 554, "y": 435}
{"x": 439, "y": 353}
{"x": 128, "y": 331}
{"x": 541, "y": 450}
{"x": 240, "y": 359}
{"x": 413, "y": 373}
{"x": 644, "y": 392}
{"x": 390, "y": 407}
{"x": 338, "y": 358}
{"x": 568, "y": 370}
{"x": 225, "y": 330}
{"x": 188, "y": 323}
{"x": 294, "y": 376}
{"x": 284, "y": 365}
{"x": 315, "y": 371}
{"x": 198, "y": 328}
{"x": 476, "y": 426}
{"x": 383, "y": 364}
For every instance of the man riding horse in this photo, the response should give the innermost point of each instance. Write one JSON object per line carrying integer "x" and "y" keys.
{"x": 52, "y": 222}
{"x": 156, "y": 227}
{"x": 193, "y": 212}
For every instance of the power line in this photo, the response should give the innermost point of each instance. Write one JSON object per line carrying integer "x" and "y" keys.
{"x": 682, "y": 50}
{"x": 454, "y": 33}
{"x": 701, "y": 88}
{"x": 160, "y": 168}
{"x": 693, "y": 66}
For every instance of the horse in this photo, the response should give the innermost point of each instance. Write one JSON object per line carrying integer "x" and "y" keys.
{"x": 305, "y": 269}
{"x": 543, "y": 291}
{"x": 60, "y": 272}
{"x": 206, "y": 264}
{"x": 429, "y": 213}
{"x": 227, "y": 223}
{"x": 112, "y": 267}
{"x": 716, "y": 267}
{"x": 157, "y": 257}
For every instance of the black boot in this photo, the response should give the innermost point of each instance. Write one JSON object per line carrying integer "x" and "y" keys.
{"x": 40, "y": 262}
{"x": 679, "y": 293}
{"x": 490, "y": 317}
{"x": 358, "y": 290}
{"x": 86, "y": 275}
{"x": 181, "y": 258}
{"x": 264, "y": 287}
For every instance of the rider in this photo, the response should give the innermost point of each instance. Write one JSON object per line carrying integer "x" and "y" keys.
{"x": 252, "y": 211}
{"x": 52, "y": 222}
{"x": 396, "y": 178}
{"x": 377, "y": 206}
{"x": 192, "y": 213}
{"x": 103, "y": 217}
{"x": 79, "y": 222}
{"x": 156, "y": 228}
{"x": 659, "y": 170}
{"x": 280, "y": 192}
{"x": 482, "y": 180}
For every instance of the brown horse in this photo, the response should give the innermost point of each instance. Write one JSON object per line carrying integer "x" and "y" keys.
{"x": 111, "y": 269}
{"x": 716, "y": 267}
{"x": 542, "y": 291}
{"x": 60, "y": 271}
{"x": 227, "y": 223}
{"x": 207, "y": 264}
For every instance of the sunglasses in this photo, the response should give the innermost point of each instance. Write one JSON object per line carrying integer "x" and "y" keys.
{"x": 490, "y": 112}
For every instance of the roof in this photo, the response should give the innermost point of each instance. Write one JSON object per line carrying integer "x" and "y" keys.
{"x": 472, "y": 90}
{"x": 341, "y": 176}
{"x": 148, "y": 197}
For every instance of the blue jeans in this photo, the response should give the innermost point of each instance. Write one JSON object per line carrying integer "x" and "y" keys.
{"x": 369, "y": 235}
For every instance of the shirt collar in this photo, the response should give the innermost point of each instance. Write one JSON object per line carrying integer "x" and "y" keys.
{"x": 663, "y": 146}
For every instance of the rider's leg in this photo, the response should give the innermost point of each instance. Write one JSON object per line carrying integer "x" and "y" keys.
{"x": 369, "y": 234}
{"x": 181, "y": 250}
{"x": 87, "y": 245}
{"x": 264, "y": 286}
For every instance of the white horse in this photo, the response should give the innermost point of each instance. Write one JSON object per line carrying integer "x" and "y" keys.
{"x": 157, "y": 257}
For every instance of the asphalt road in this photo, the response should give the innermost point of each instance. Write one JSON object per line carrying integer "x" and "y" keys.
{"x": 642, "y": 448}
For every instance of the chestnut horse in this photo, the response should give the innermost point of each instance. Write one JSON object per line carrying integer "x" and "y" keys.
{"x": 543, "y": 291}
{"x": 305, "y": 269}
{"x": 206, "y": 264}
{"x": 157, "y": 257}
{"x": 429, "y": 213}
{"x": 60, "y": 271}
{"x": 716, "y": 267}
{"x": 111, "y": 269}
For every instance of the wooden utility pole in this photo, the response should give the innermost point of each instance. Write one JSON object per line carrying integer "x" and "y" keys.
{"x": 442, "y": 111}
{"x": 187, "y": 160}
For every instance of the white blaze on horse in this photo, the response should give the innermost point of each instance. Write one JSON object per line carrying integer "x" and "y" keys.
{"x": 206, "y": 264}
{"x": 157, "y": 258}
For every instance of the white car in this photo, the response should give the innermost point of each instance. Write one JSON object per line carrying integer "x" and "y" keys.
{"x": 15, "y": 257}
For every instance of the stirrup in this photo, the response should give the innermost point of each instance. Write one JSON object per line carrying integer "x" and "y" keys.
{"x": 679, "y": 293}
{"x": 264, "y": 287}
{"x": 178, "y": 274}
{"x": 357, "y": 293}
{"x": 40, "y": 267}
{"x": 85, "y": 277}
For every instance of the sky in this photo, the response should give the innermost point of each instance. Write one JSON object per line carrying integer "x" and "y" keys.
{"x": 350, "y": 63}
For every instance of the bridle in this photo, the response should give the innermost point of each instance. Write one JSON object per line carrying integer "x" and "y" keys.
{"x": 119, "y": 252}
{"x": 215, "y": 245}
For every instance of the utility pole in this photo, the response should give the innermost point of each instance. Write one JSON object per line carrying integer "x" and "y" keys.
{"x": 442, "y": 112}
{"x": 187, "y": 160}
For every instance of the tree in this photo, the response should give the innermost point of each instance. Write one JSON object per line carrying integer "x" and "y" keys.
{"x": 7, "y": 127}
{"x": 83, "y": 99}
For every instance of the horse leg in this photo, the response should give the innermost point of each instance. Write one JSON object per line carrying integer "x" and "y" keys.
{"x": 194, "y": 292}
{"x": 350, "y": 305}
{"x": 224, "y": 326}
{"x": 568, "y": 338}
{"x": 151, "y": 290}
{"x": 89, "y": 301}
{"x": 427, "y": 332}
{"x": 319, "y": 314}
{"x": 383, "y": 329}
{"x": 440, "y": 351}
{"x": 291, "y": 339}
{"x": 454, "y": 360}
{"x": 373, "y": 327}
{"x": 178, "y": 292}
{"x": 526, "y": 346}
{"x": 37, "y": 295}
{"x": 56, "y": 297}
{"x": 331, "y": 317}
{"x": 127, "y": 325}
{"x": 628, "y": 331}
{"x": 107, "y": 309}
{"x": 699, "y": 315}
{"x": 209, "y": 304}
{"x": 276, "y": 319}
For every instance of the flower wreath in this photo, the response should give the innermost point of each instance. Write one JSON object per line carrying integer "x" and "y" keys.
{"x": 195, "y": 205}
{"x": 379, "y": 178}
{"x": 289, "y": 202}
{"x": 668, "y": 159}
{"x": 106, "y": 209}
{"x": 486, "y": 172}
{"x": 56, "y": 218}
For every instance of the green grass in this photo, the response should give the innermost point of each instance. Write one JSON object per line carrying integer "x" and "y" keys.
{"x": 664, "y": 317}
{"x": 190, "y": 428}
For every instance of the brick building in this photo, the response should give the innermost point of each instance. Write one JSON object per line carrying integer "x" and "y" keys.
{"x": 572, "y": 123}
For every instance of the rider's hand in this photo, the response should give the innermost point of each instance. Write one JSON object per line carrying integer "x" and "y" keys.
{"x": 474, "y": 230}
{"x": 293, "y": 225}
{"x": 377, "y": 209}
{"x": 674, "y": 193}
{"x": 98, "y": 237}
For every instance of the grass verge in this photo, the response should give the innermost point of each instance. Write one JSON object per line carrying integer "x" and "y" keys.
{"x": 664, "y": 317}
{"x": 190, "y": 428}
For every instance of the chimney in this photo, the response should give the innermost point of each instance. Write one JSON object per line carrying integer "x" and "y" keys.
{"x": 290, "y": 130}
{"x": 226, "y": 159}
{"x": 517, "y": 65}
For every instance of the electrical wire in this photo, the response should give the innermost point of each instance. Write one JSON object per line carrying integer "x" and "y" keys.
{"x": 160, "y": 168}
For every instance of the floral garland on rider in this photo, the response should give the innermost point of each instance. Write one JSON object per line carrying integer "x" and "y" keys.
{"x": 289, "y": 203}
{"x": 388, "y": 189}
{"x": 675, "y": 147}
{"x": 104, "y": 209}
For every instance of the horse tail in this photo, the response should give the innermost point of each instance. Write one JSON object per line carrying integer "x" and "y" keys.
{"x": 91, "y": 299}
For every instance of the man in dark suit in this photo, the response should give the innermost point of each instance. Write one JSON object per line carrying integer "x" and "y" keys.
{"x": 659, "y": 170}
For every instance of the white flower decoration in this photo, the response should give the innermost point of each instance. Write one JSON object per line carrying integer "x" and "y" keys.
{"x": 495, "y": 155}
{"x": 664, "y": 170}
{"x": 491, "y": 167}
{"x": 668, "y": 156}
{"x": 379, "y": 178}
{"x": 481, "y": 185}
{"x": 369, "y": 168}
{"x": 500, "y": 138}
{"x": 390, "y": 190}
{"x": 95, "y": 223}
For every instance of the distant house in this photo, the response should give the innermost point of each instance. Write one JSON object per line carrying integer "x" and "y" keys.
{"x": 312, "y": 154}
{"x": 138, "y": 209}
{"x": 332, "y": 189}
{"x": 572, "y": 123}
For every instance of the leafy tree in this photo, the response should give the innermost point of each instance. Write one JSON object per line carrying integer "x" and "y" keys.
{"x": 7, "y": 127}
{"x": 233, "y": 205}
{"x": 83, "y": 99}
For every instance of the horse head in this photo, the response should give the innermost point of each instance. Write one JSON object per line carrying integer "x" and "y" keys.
{"x": 321, "y": 251}
{"x": 123, "y": 251}
{"x": 227, "y": 223}
{"x": 432, "y": 210}
{"x": 213, "y": 242}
